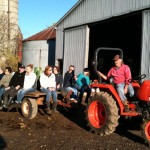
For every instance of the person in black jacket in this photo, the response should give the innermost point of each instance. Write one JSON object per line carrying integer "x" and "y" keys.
{"x": 15, "y": 84}
{"x": 69, "y": 83}
{"x": 59, "y": 78}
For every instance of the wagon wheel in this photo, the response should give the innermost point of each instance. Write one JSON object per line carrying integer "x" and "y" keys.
{"x": 29, "y": 108}
{"x": 146, "y": 130}
{"x": 102, "y": 114}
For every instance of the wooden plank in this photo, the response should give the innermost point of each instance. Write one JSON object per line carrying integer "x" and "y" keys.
{"x": 35, "y": 94}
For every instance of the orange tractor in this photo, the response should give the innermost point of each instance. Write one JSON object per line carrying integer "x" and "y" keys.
{"x": 105, "y": 107}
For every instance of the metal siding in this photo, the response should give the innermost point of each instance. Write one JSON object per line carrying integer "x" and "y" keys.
{"x": 75, "y": 49}
{"x": 145, "y": 59}
{"x": 95, "y": 10}
{"x": 32, "y": 54}
{"x": 59, "y": 45}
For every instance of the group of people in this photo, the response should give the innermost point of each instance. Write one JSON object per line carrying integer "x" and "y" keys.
{"x": 24, "y": 81}
{"x": 19, "y": 83}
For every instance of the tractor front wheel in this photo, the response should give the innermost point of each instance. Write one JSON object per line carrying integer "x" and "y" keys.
{"x": 146, "y": 131}
{"x": 102, "y": 114}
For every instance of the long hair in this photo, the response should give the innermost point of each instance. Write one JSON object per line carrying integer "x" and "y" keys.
{"x": 47, "y": 68}
{"x": 57, "y": 68}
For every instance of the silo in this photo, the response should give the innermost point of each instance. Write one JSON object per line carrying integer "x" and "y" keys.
{"x": 10, "y": 8}
{"x": 9, "y": 21}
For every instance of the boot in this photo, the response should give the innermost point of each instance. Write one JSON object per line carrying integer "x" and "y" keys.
{"x": 48, "y": 111}
{"x": 5, "y": 102}
{"x": 10, "y": 100}
{"x": 55, "y": 107}
{"x": 126, "y": 106}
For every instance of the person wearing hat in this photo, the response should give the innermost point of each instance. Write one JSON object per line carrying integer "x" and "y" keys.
{"x": 15, "y": 84}
{"x": 121, "y": 75}
{"x": 83, "y": 85}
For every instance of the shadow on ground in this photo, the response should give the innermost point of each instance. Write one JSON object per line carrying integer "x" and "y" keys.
{"x": 3, "y": 144}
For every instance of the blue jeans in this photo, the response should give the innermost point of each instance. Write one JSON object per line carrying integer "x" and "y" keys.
{"x": 120, "y": 90}
{"x": 22, "y": 92}
{"x": 49, "y": 94}
{"x": 2, "y": 90}
{"x": 75, "y": 92}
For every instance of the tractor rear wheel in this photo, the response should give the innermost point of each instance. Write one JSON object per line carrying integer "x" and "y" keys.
{"x": 29, "y": 108}
{"x": 146, "y": 130}
{"x": 102, "y": 114}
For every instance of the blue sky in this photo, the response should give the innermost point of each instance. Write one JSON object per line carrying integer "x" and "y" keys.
{"x": 36, "y": 15}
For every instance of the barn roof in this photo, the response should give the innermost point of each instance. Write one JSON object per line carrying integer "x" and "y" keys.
{"x": 47, "y": 34}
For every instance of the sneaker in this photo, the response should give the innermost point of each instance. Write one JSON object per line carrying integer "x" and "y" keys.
{"x": 17, "y": 102}
{"x": 55, "y": 110}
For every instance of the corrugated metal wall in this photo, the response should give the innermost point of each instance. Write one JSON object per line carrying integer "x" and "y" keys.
{"x": 88, "y": 11}
{"x": 145, "y": 60}
{"x": 76, "y": 48}
{"x": 95, "y": 10}
{"x": 36, "y": 53}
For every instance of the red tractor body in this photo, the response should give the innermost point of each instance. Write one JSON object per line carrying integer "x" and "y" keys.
{"x": 143, "y": 92}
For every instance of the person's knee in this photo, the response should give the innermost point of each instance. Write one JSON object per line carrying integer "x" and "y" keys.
{"x": 131, "y": 94}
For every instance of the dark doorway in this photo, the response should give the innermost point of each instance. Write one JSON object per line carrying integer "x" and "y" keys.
{"x": 51, "y": 52}
{"x": 121, "y": 32}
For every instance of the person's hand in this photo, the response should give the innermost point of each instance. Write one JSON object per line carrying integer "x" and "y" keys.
{"x": 7, "y": 88}
{"x": 58, "y": 86}
{"x": 51, "y": 88}
{"x": 17, "y": 87}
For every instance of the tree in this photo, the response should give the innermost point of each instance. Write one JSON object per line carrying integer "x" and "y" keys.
{"x": 9, "y": 37}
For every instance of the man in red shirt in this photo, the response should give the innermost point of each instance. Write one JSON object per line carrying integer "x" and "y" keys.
{"x": 121, "y": 75}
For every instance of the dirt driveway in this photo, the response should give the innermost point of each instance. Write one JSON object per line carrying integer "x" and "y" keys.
{"x": 64, "y": 131}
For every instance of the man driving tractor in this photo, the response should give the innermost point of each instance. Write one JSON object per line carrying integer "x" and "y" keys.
{"x": 121, "y": 75}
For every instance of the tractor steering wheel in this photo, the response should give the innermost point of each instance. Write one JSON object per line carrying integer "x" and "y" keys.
{"x": 138, "y": 78}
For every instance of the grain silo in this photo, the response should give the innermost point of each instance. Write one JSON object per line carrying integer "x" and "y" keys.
{"x": 9, "y": 26}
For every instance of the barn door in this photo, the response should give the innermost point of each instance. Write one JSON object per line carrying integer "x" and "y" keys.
{"x": 145, "y": 58}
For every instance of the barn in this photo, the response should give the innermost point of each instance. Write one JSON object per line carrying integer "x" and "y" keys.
{"x": 39, "y": 49}
{"x": 90, "y": 24}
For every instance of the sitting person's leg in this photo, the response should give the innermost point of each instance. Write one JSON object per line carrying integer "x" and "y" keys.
{"x": 120, "y": 90}
{"x": 54, "y": 96}
{"x": 74, "y": 95}
{"x": 5, "y": 95}
{"x": 2, "y": 90}
{"x": 81, "y": 95}
{"x": 48, "y": 96}
{"x": 131, "y": 90}
{"x": 88, "y": 90}
{"x": 22, "y": 92}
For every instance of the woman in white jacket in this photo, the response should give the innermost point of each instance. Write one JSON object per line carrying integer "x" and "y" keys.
{"x": 48, "y": 85}
{"x": 29, "y": 83}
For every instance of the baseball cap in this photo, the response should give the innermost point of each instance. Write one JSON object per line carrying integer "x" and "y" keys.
{"x": 117, "y": 57}
{"x": 22, "y": 66}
